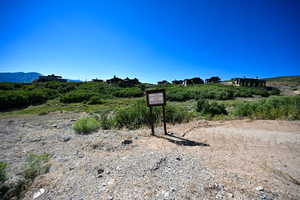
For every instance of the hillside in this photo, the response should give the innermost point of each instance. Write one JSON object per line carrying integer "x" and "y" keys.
{"x": 290, "y": 81}
{"x": 91, "y": 140}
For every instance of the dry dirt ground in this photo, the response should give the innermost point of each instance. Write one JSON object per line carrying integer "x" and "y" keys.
{"x": 239, "y": 159}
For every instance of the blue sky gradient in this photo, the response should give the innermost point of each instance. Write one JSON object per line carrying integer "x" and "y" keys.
{"x": 151, "y": 39}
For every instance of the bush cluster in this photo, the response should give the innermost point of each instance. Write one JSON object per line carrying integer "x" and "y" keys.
{"x": 11, "y": 86}
{"x": 95, "y": 100}
{"x": 20, "y": 98}
{"x": 17, "y": 95}
{"x": 270, "y": 108}
{"x": 36, "y": 165}
{"x": 211, "y": 109}
{"x": 216, "y": 92}
{"x": 128, "y": 92}
{"x": 138, "y": 115}
{"x": 135, "y": 116}
{"x": 86, "y": 125}
{"x": 76, "y": 96}
{"x": 177, "y": 114}
{"x": 60, "y": 87}
{"x": 106, "y": 122}
{"x": 95, "y": 92}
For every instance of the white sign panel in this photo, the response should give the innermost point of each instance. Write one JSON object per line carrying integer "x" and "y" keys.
{"x": 156, "y": 98}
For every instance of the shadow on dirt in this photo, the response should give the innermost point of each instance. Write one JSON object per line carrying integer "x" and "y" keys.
{"x": 181, "y": 141}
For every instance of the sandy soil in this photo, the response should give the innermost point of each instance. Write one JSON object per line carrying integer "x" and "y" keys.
{"x": 264, "y": 153}
{"x": 228, "y": 159}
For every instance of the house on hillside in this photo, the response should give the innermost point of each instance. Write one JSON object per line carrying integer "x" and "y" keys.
{"x": 249, "y": 82}
{"x": 114, "y": 80}
{"x": 127, "y": 82}
{"x": 48, "y": 78}
{"x": 164, "y": 82}
{"x": 214, "y": 79}
{"x": 193, "y": 81}
{"x": 177, "y": 82}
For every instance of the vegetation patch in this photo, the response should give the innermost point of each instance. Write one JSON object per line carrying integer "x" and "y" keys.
{"x": 210, "y": 109}
{"x": 135, "y": 116}
{"x": 270, "y": 108}
{"x": 20, "y": 95}
{"x": 3, "y": 175}
{"x": 177, "y": 114}
{"x": 106, "y": 122}
{"x": 138, "y": 115}
{"x": 95, "y": 100}
{"x": 76, "y": 96}
{"x": 128, "y": 92}
{"x": 215, "y": 92}
{"x": 86, "y": 125}
{"x": 36, "y": 165}
{"x": 20, "y": 98}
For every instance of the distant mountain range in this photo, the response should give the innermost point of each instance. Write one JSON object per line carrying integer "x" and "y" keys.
{"x": 22, "y": 77}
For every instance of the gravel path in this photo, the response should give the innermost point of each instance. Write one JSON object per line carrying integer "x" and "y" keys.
{"x": 214, "y": 160}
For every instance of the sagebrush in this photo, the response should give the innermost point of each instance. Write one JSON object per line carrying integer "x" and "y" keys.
{"x": 86, "y": 125}
{"x": 270, "y": 108}
{"x": 36, "y": 164}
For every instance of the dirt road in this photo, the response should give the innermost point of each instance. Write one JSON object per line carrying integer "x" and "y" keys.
{"x": 238, "y": 159}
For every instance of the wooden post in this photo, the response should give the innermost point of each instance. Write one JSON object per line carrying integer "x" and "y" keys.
{"x": 152, "y": 125}
{"x": 156, "y": 98}
{"x": 164, "y": 118}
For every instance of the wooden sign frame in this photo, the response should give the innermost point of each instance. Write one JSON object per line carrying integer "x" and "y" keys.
{"x": 163, "y": 91}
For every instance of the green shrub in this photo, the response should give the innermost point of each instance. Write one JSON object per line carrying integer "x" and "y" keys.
{"x": 270, "y": 108}
{"x": 21, "y": 98}
{"x": 86, "y": 125}
{"x": 273, "y": 91}
{"x": 211, "y": 91}
{"x": 138, "y": 115}
{"x": 95, "y": 100}
{"x": 261, "y": 92}
{"x": 176, "y": 114}
{"x": 211, "y": 109}
{"x": 3, "y": 175}
{"x": 179, "y": 95}
{"x": 76, "y": 96}
{"x": 128, "y": 92}
{"x": 9, "y": 86}
{"x": 242, "y": 93}
{"x": 36, "y": 165}
{"x": 135, "y": 116}
{"x": 106, "y": 122}
{"x": 60, "y": 87}
{"x": 224, "y": 95}
{"x": 245, "y": 109}
{"x": 202, "y": 104}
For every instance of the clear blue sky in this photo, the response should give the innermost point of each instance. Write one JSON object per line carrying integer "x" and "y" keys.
{"x": 151, "y": 39}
